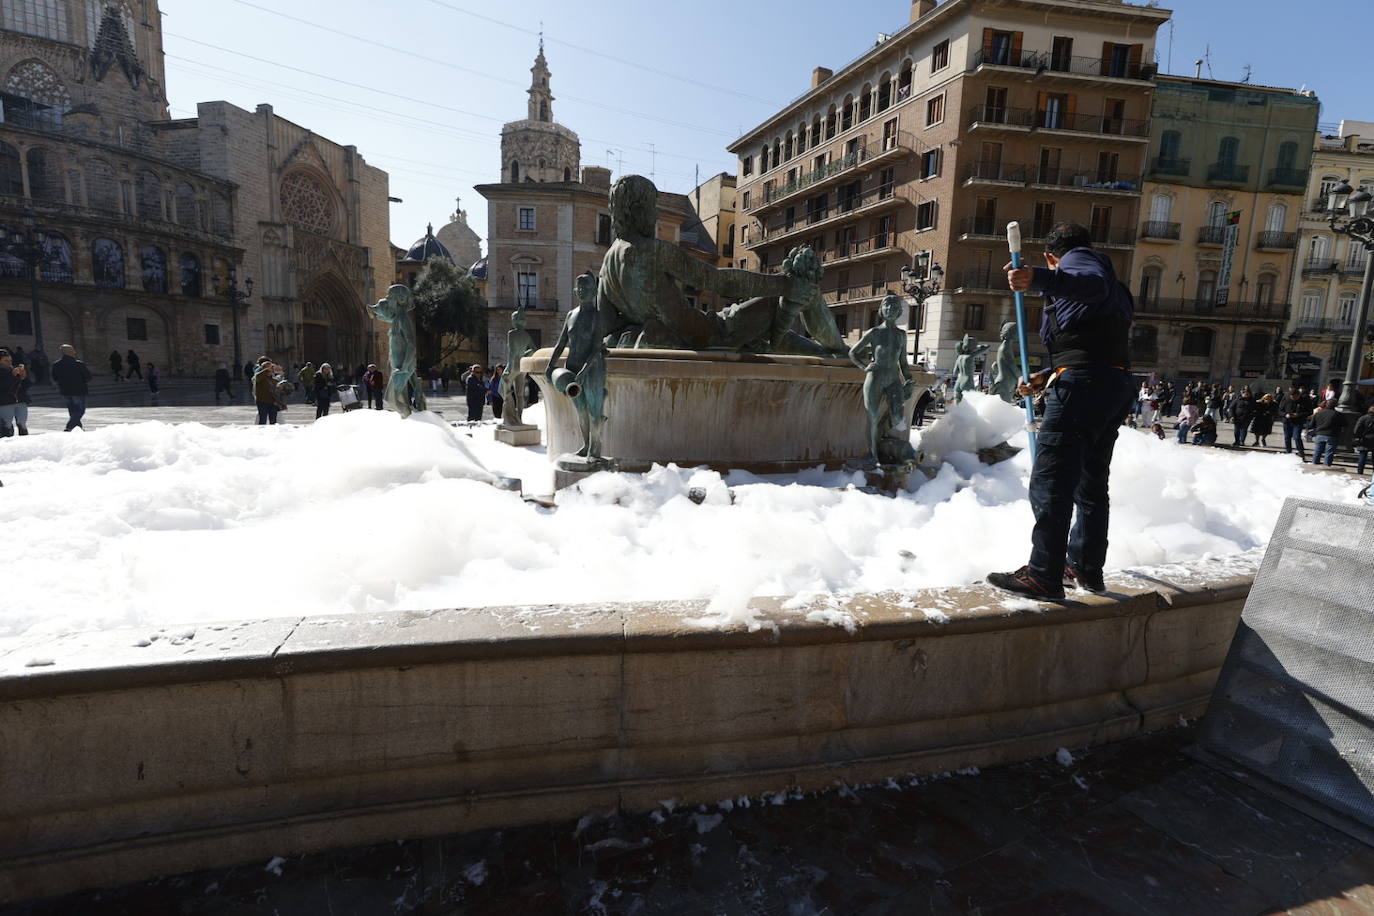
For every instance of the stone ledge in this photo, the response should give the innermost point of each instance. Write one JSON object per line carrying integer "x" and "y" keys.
{"x": 293, "y": 735}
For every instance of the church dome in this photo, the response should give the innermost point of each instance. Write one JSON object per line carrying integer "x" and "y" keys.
{"x": 426, "y": 248}
{"x": 478, "y": 271}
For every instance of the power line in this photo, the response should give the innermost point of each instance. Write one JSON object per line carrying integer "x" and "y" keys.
{"x": 611, "y": 57}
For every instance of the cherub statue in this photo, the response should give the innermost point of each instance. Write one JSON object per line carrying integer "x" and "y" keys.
{"x": 402, "y": 388}
{"x": 1005, "y": 374}
{"x": 888, "y": 384}
{"x": 519, "y": 344}
{"x": 584, "y": 377}
{"x": 967, "y": 349}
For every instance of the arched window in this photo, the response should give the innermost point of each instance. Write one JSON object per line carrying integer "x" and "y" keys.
{"x": 11, "y": 172}
{"x": 1319, "y": 249}
{"x": 1264, "y": 288}
{"x": 190, "y": 274}
{"x": 1345, "y": 308}
{"x": 847, "y": 113}
{"x": 1144, "y": 343}
{"x": 514, "y": 171}
{"x": 44, "y": 18}
{"x": 801, "y": 138}
{"x": 305, "y": 203}
{"x": 1275, "y": 218}
{"x": 1328, "y": 182}
{"x": 866, "y": 103}
{"x": 1197, "y": 342}
{"x": 45, "y": 181}
{"x": 185, "y": 204}
{"x": 1170, "y": 146}
{"x": 567, "y": 173}
{"x": 816, "y": 131}
{"x": 1227, "y": 151}
{"x": 904, "y": 81}
{"x": 58, "y": 267}
{"x": 777, "y": 151}
{"x": 148, "y": 193}
{"x": 787, "y": 147}
{"x": 884, "y": 91}
{"x": 102, "y": 193}
{"x": 1216, "y": 214}
{"x": 1288, "y": 156}
{"x": 830, "y": 123}
{"x": 154, "y": 264}
{"x": 1161, "y": 208}
{"x": 36, "y": 96}
{"x": 223, "y": 218}
{"x": 1151, "y": 279}
{"x": 107, "y": 263}
{"x": 763, "y": 159}
{"x": 543, "y": 111}
{"x": 1206, "y": 287}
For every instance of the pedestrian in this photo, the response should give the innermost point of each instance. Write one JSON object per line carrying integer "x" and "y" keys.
{"x": 1187, "y": 418}
{"x": 135, "y": 365}
{"x": 1296, "y": 409}
{"x": 494, "y": 398}
{"x": 1364, "y": 437}
{"x": 248, "y": 370}
{"x": 264, "y": 393}
{"x": 222, "y": 383}
{"x": 922, "y": 405}
{"x": 154, "y": 379}
{"x": 1327, "y": 424}
{"x": 9, "y": 393}
{"x": 1086, "y": 328}
{"x": 117, "y": 365}
{"x": 1242, "y": 412}
{"x": 324, "y": 389}
{"x": 1262, "y": 425}
{"x": 374, "y": 381}
{"x": 307, "y": 377}
{"x": 444, "y": 376}
{"x": 476, "y": 390}
{"x": 73, "y": 383}
{"x": 281, "y": 387}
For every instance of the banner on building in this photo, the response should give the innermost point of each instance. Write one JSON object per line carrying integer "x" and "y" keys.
{"x": 1228, "y": 253}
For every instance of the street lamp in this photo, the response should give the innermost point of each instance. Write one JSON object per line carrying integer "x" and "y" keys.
{"x": 920, "y": 282}
{"x": 1360, "y": 227}
{"x": 27, "y": 246}
{"x": 231, "y": 292}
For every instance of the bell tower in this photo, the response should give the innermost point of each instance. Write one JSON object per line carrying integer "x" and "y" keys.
{"x": 541, "y": 99}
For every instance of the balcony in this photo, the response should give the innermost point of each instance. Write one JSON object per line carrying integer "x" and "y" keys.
{"x": 1228, "y": 173}
{"x": 1318, "y": 267}
{"x": 980, "y": 279}
{"x": 857, "y": 293}
{"x": 1338, "y": 327}
{"x": 882, "y": 197}
{"x": 1079, "y": 180}
{"x": 995, "y": 173}
{"x": 1161, "y": 231}
{"x": 1211, "y": 235}
{"x": 1245, "y": 311}
{"x": 1275, "y": 241}
{"x": 882, "y": 244}
{"x": 1111, "y": 237}
{"x": 1000, "y": 117}
{"x": 1098, "y": 125}
{"x": 1048, "y": 63}
{"x": 1178, "y": 168}
{"x": 983, "y": 227}
{"x": 860, "y": 160}
{"x": 1287, "y": 178}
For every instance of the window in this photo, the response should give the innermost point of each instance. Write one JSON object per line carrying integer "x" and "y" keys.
{"x": 527, "y": 289}
{"x": 1311, "y": 306}
{"x": 789, "y": 219}
{"x": 890, "y": 134}
{"x": 136, "y": 328}
{"x": 816, "y": 131}
{"x": 904, "y": 81}
{"x": 865, "y": 104}
{"x": 763, "y": 159}
{"x": 1197, "y": 342}
{"x": 973, "y": 316}
{"x": 1054, "y": 110}
{"x": 1319, "y": 250}
{"x": 887, "y": 183}
{"x": 925, "y": 215}
{"x": 190, "y": 274}
{"x": 107, "y": 263}
{"x": 514, "y": 172}
{"x": 729, "y": 250}
{"x": 930, "y": 163}
{"x": 1170, "y": 144}
{"x": 1050, "y": 157}
{"x": 885, "y": 93}
{"x": 1288, "y": 156}
{"x": 21, "y": 322}
{"x": 1345, "y": 308}
{"x": 526, "y": 218}
{"x": 1161, "y": 208}
{"x": 1151, "y": 278}
{"x": 1264, "y": 289}
{"x": 939, "y": 56}
{"x": 1044, "y": 219}
{"x": 603, "y": 229}
{"x": 830, "y": 123}
{"x": 212, "y": 335}
{"x": 1275, "y": 219}
{"x": 985, "y": 216}
{"x": 884, "y": 237}
{"x": 154, "y": 264}
{"x": 35, "y": 96}
{"x": 1144, "y": 342}
{"x": 1227, "y": 151}
{"x": 817, "y": 208}
{"x": 995, "y": 105}
{"x": 847, "y": 114}
{"x": 998, "y": 47}
{"x": 1340, "y": 354}
{"x": 1206, "y": 292}
{"x": 801, "y": 138}
{"x": 935, "y": 110}
{"x": 1107, "y": 167}
{"x": 744, "y": 200}
{"x": 11, "y": 172}
{"x": 747, "y": 165}
{"x": 777, "y": 152}
{"x": 787, "y": 147}
{"x": 44, "y": 18}
{"x": 1061, "y": 53}
{"x": 1116, "y": 59}
{"x": 1216, "y": 214}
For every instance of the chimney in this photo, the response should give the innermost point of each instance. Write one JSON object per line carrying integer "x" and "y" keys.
{"x": 820, "y": 75}
{"x": 920, "y": 8}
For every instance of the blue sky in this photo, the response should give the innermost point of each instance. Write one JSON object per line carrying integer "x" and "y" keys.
{"x": 422, "y": 87}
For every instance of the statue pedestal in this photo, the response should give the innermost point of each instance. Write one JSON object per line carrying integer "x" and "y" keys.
{"x": 518, "y": 434}
{"x": 569, "y": 469}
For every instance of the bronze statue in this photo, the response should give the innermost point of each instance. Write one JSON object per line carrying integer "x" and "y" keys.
{"x": 1005, "y": 375}
{"x": 888, "y": 386}
{"x": 584, "y": 377}
{"x": 403, "y": 389}
{"x": 519, "y": 344}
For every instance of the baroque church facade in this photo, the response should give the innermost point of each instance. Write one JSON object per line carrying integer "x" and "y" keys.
{"x": 144, "y": 215}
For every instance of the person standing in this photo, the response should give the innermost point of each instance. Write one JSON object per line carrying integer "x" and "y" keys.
{"x": 222, "y": 383}
{"x": 9, "y": 394}
{"x": 324, "y": 389}
{"x": 374, "y": 380}
{"x": 265, "y": 393}
{"x": 494, "y": 398}
{"x": 307, "y": 377}
{"x": 1242, "y": 412}
{"x": 1086, "y": 327}
{"x": 73, "y": 383}
{"x": 476, "y": 389}
{"x": 1296, "y": 409}
{"x": 117, "y": 365}
{"x": 154, "y": 379}
{"x": 1262, "y": 425}
{"x": 1327, "y": 424}
{"x": 135, "y": 365}
{"x": 1364, "y": 437}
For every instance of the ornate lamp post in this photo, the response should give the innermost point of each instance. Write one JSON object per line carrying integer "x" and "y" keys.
{"x": 230, "y": 291}
{"x": 920, "y": 282}
{"x": 1359, "y": 225}
{"x": 27, "y": 246}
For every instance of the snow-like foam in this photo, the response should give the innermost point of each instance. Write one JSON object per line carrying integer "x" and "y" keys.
{"x": 152, "y": 524}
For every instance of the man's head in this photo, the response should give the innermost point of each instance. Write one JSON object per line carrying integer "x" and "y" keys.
{"x": 517, "y": 319}
{"x": 1065, "y": 237}
{"x": 634, "y": 207}
{"x": 262, "y": 361}
{"x": 477, "y": 370}
{"x": 67, "y": 350}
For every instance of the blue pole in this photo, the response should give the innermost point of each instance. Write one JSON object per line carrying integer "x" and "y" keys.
{"x": 1014, "y": 243}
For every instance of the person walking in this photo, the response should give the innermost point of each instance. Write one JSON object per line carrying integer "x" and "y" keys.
{"x": 1086, "y": 328}
{"x": 154, "y": 379}
{"x": 1262, "y": 425}
{"x": 265, "y": 393}
{"x": 222, "y": 383}
{"x": 73, "y": 383}
{"x": 1327, "y": 424}
{"x": 117, "y": 365}
{"x": 1296, "y": 409}
{"x": 1242, "y": 412}
{"x": 135, "y": 366}
{"x": 1364, "y": 437}
{"x": 476, "y": 389}
{"x": 324, "y": 390}
{"x": 307, "y": 377}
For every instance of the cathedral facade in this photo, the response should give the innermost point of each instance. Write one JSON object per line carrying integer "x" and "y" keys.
{"x": 142, "y": 216}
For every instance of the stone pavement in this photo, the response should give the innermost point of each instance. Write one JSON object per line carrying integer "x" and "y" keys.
{"x": 1136, "y": 828}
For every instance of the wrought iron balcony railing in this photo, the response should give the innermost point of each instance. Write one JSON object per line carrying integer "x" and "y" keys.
{"x": 1287, "y": 178}
{"x": 1160, "y": 230}
{"x": 1228, "y": 173}
{"x": 1276, "y": 240}
{"x": 1171, "y": 166}
{"x": 1211, "y": 235}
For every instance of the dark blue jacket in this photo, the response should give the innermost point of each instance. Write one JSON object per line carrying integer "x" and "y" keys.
{"x": 1087, "y": 321}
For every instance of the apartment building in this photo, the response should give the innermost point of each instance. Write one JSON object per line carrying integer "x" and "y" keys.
{"x": 1220, "y": 154}
{"x": 1326, "y": 287}
{"x": 975, "y": 113}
